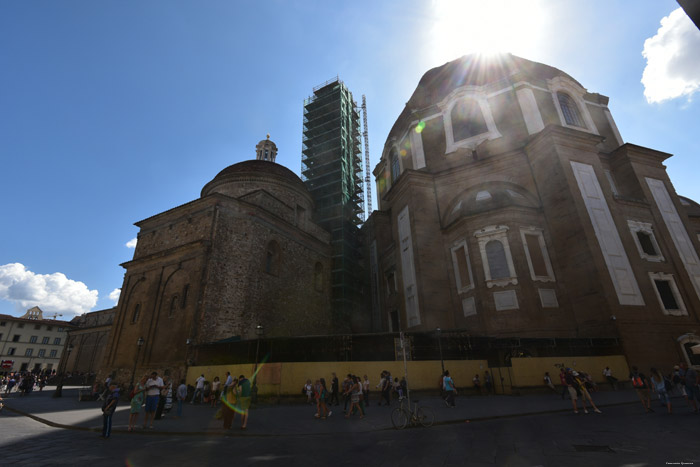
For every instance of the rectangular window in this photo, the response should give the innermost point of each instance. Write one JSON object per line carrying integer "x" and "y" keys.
{"x": 57, "y": 341}
{"x": 536, "y": 254}
{"x": 32, "y": 340}
{"x": 668, "y": 294}
{"x": 15, "y": 338}
{"x": 11, "y": 351}
{"x": 643, "y": 235}
{"x": 460, "y": 263}
{"x": 60, "y": 329}
{"x": 37, "y": 326}
{"x": 20, "y": 325}
{"x": 28, "y": 352}
{"x": 45, "y": 340}
{"x": 49, "y": 328}
{"x": 42, "y": 352}
{"x": 3, "y": 323}
{"x": 52, "y": 354}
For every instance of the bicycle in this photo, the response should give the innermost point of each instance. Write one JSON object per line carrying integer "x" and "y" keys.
{"x": 402, "y": 415}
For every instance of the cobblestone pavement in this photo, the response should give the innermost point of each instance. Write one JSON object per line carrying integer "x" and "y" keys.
{"x": 622, "y": 436}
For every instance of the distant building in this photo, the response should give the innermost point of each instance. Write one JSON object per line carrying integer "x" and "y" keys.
{"x": 31, "y": 343}
{"x": 88, "y": 341}
{"x": 509, "y": 206}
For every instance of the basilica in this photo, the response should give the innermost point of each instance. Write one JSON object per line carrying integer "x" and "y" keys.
{"x": 508, "y": 205}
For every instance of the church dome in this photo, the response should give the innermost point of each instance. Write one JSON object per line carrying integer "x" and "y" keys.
{"x": 259, "y": 172}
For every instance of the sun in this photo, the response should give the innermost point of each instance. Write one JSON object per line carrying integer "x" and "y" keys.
{"x": 485, "y": 26}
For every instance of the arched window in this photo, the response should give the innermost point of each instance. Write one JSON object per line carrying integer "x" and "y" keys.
{"x": 467, "y": 120}
{"x": 395, "y": 165}
{"x": 570, "y": 110}
{"x": 272, "y": 258}
{"x": 498, "y": 263}
{"x": 318, "y": 277}
{"x": 137, "y": 312}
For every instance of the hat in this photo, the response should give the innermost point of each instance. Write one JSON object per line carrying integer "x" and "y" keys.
{"x": 676, "y": 367}
{"x": 574, "y": 373}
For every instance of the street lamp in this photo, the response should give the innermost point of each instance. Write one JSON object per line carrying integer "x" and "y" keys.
{"x": 259, "y": 332}
{"x": 59, "y": 386}
{"x": 442, "y": 362}
{"x": 139, "y": 344}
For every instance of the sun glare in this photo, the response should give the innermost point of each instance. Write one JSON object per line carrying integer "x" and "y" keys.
{"x": 485, "y": 26}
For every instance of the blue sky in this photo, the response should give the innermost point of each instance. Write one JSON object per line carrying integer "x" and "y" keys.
{"x": 113, "y": 111}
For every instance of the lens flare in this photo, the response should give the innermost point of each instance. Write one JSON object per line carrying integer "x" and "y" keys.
{"x": 419, "y": 127}
{"x": 402, "y": 153}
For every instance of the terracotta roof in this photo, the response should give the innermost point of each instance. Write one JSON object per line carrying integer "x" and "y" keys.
{"x": 51, "y": 322}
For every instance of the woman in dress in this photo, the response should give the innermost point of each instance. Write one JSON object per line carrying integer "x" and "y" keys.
{"x": 137, "y": 402}
{"x": 355, "y": 393}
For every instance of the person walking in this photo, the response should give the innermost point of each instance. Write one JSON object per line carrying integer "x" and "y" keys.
{"x": 641, "y": 386}
{"x": 658, "y": 385}
{"x": 571, "y": 388}
{"x": 380, "y": 385}
{"x": 181, "y": 396}
{"x": 199, "y": 390}
{"x": 477, "y": 383}
{"x": 108, "y": 408}
{"x": 309, "y": 390}
{"x": 320, "y": 396}
{"x": 136, "y": 402}
{"x": 216, "y": 391}
{"x": 365, "y": 390}
{"x": 580, "y": 382}
{"x": 347, "y": 384}
{"x": 244, "y": 400}
{"x": 448, "y": 385}
{"x": 153, "y": 387}
{"x": 548, "y": 382}
{"x": 607, "y": 372}
{"x": 335, "y": 389}
{"x": 691, "y": 387}
{"x": 565, "y": 385}
{"x": 355, "y": 391}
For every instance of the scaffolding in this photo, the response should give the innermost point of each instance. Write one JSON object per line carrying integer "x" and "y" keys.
{"x": 331, "y": 167}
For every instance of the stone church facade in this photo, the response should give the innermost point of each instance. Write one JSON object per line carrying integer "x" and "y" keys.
{"x": 509, "y": 206}
{"x": 245, "y": 254}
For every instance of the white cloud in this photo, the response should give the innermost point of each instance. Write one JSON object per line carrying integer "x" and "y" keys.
{"x": 114, "y": 295}
{"x": 131, "y": 243}
{"x": 673, "y": 66}
{"x": 51, "y": 292}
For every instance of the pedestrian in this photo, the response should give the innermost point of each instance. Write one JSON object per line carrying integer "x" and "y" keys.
{"x": 309, "y": 391}
{"x": 571, "y": 388}
{"x": 580, "y": 382}
{"x": 488, "y": 384}
{"x": 450, "y": 389}
{"x": 355, "y": 391}
{"x": 181, "y": 396}
{"x": 365, "y": 390}
{"x": 244, "y": 400}
{"x": 403, "y": 387}
{"x": 136, "y": 402}
{"x": 335, "y": 389}
{"x": 691, "y": 386}
{"x": 380, "y": 385}
{"x": 347, "y": 384}
{"x": 565, "y": 386}
{"x": 153, "y": 387}
{"x": 641, "y": 386}
{"x": 386, "y": 388}
{"x": 229, "y": 402}
{"x": 108, "y": 408}
{"x": 199, "y": 390}
{"x": 477, "y": 383}
{"x": 658, "y": 385}
{"x": 607, "y": 372}
{"x": 163, "y": 398}
{"x": 216, "y": 391}
{"x": 321, "y": 395}
{"x": 548, "y": 382}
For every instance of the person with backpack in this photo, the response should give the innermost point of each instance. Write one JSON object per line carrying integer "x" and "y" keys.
{"x": 659, "y": 385}
{"x": 639, "y": 383}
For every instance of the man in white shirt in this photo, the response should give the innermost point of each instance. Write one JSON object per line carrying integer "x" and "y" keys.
{"x": 199, "y": 389}
{"x": 153, "y": 386}
{"x": 229, "y": 382}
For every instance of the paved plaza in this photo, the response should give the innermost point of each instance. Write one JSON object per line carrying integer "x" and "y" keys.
{"x": 530, "y": 430}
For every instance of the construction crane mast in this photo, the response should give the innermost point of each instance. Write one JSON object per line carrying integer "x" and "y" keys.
{"x": 365, "y": 136}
